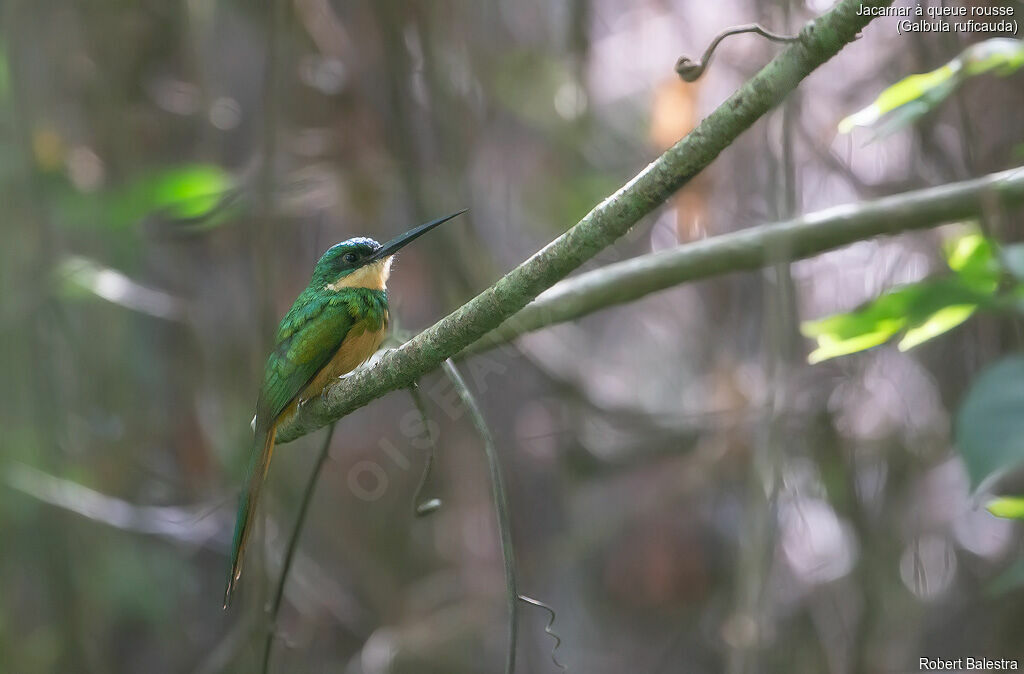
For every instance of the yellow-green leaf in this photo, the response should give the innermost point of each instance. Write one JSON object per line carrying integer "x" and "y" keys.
{"x": 921, "y": 311}
{"x": 913, "y": 96}
{"x": 1009, "y": 507}
{"x": 1002, "y": 54}
{"x": 943, "y": 320}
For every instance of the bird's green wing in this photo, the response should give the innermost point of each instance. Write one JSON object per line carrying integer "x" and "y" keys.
{"x": 307, "y": 338}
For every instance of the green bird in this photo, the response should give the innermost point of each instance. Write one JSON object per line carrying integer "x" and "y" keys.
{"x": 335, "y": 324}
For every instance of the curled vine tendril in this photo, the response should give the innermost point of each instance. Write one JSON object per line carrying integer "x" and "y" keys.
{"x": 421, "y": 508}
{"x": 690, "y": 71}
{"x": 548, "y": 629}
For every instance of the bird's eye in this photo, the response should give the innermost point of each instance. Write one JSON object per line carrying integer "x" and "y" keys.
{"x": 350, "y": 257}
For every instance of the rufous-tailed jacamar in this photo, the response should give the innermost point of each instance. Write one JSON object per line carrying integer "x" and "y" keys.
{"x": 336, "y": 323}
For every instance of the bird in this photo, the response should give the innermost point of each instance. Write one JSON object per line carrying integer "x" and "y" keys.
{"x": 335, "y": 325}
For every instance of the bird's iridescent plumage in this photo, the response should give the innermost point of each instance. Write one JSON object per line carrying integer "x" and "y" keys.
{"x": 340, "y": 327}
{"x": 335, "y": 324}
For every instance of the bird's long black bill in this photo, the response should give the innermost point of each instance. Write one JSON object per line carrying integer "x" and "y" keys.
{"x": 392, "y": 246}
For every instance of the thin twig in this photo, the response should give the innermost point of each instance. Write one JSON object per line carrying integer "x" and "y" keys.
{"x": 424, "y": 508}
{"x": 549, "y": 628}
{"x": 500, "y": 507}
{"x": 293, "y": 545}
{"x": 690, "y": 71}
{"x": 603, "y": 225}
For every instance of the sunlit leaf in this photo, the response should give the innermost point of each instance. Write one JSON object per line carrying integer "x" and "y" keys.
{"x": 1009, "y": 507}
{"x": 920, "y": 311}
{"x": 869, "y": 326}
{"x": 968, "y": 252}
{"x": 1003, "y": 55}
{"x": 830, "y": 346}
{"x": 192, "y": 192}
{"x": 990, "y": 422}
{"x": 943, "y": 320}
{"x": 914, "y": 89}
{"x": 973, "y": 258}
{"x": 184, "y": 192}
{"x": 910, "y": 98}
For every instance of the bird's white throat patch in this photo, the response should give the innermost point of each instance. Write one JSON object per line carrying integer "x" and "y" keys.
{"x": 373, "y": 276}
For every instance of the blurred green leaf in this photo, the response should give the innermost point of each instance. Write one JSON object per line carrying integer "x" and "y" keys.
{"x": 1009, "y": 507}
{"x": 1003, "y": 55}
{"x": 907, "y": 100}
{"x": 973, "y": 258}
{"x": 943, "y": 320}
{"x": 910, "y": 98}
{"x": 188, "y": 192}
{"x": 921, "y": 311}
{"x": 874, "y": 324}
{"x": 185, "y": 192}
{"x": 990, "y": 422}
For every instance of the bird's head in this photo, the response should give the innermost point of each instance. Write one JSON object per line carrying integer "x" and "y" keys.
{"x": 361, "y": 262}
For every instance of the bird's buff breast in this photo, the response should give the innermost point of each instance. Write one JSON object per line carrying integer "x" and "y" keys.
{"x": 352, "y": 353}
{"x": 360, "y": 343}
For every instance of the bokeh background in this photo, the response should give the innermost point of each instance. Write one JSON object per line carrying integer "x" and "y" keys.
{"x": 686, "y": 491}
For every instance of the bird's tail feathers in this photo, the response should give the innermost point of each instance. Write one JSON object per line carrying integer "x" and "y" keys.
{"x": 263, "y": 449}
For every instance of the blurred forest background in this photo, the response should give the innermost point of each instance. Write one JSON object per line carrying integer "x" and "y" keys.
{"x": 687, "y": 492}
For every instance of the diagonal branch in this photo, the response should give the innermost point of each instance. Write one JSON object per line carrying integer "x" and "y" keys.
{"x": 818, "y": 41}
{"x": 755, "y": 247}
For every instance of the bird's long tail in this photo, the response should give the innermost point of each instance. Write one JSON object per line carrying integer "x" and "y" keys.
{"x": 262, "y": 450}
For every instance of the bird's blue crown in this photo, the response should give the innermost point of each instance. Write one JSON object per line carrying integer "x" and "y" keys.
{"x": 358, "y": 241}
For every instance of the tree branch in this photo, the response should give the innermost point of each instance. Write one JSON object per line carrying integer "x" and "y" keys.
{"x": 819, "y": 41}
{"x": 755, "y": 247}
